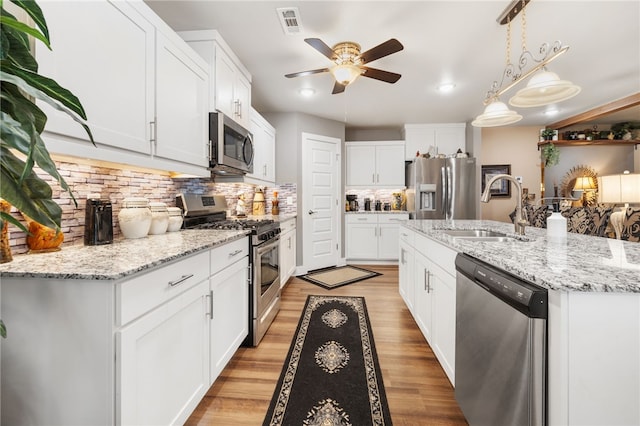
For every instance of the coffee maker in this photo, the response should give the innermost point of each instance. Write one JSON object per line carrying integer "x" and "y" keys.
{"x": 98, "y": 221}
{"x": 352, "y": 203}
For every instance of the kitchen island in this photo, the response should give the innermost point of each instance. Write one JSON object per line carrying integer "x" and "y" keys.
{"x": 594, "y": 309}
{"x": 129, "y": 333}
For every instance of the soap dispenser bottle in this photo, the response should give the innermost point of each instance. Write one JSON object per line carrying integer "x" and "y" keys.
{"x": 556, "y": 225}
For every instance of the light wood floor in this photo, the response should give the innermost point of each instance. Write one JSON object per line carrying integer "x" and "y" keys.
{"x": 417, "y": 388}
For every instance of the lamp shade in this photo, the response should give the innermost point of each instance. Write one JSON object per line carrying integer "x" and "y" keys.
{"x": 496, "y": 114}
{"x": 619, "y": 189}
{"x": 544, "y": 88}
{"x": 584, "y": 183}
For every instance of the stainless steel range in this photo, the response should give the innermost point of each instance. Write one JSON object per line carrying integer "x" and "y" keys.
{"x": 209, "y": 212}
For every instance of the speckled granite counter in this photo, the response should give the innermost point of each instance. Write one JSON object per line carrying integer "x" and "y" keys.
{"x": 120, "y": 259}
{"x": 584, "y": 263}
{"x": 378, "y": 212}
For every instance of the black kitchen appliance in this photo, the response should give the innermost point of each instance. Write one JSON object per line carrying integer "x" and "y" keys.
{"x": 209, "y": 212}
{"x": 352, "y": 202}
{"x": 98, "y": 221}
{"x": 230, "y": 146}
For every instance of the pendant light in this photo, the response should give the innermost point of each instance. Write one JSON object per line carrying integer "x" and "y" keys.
{"x": 544, "y": 88}
{"x": 496, "y": 114}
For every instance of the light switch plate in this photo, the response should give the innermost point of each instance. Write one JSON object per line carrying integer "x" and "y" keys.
{"x": 289, "y": 201}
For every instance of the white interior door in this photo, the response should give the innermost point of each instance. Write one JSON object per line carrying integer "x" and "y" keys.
{"x": 320, "y": 200}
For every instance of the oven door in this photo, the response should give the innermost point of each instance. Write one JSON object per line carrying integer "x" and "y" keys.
{"x": 267, "y": 276}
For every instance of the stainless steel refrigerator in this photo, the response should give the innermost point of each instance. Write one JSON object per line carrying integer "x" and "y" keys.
{"x": 441, "y": 188}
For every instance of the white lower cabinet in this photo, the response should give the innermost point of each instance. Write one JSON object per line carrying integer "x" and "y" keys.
{"x": 433, "y": 302}
{"x": 373, "y": 236}
{"x": 142, "y": 350}
{"x": 164, "y": 361}
{"x": 229, "y": 313}
{"x": 287, "y": 250}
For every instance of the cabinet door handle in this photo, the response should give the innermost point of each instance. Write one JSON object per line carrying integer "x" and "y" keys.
{"x": 289, "y": 241}
{"x": 377, "y": 178}
{"x": 210, "y": 303}
{"x": 180, "y": 280}
{"x": 373, "y": 178}
{"x": 362, "y": 218}
{"x": 235, "y": 253}
{"x": 425, "y": 281}
{"x": 152, "y": 131}
{"x": 428, "y": 282}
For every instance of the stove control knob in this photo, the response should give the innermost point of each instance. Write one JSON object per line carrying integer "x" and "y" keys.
{"x": 262, "y": 237}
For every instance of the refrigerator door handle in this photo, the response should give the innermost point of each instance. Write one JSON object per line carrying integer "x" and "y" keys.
{"x": 444, "y": 189}
{"x": 450, "y": 203}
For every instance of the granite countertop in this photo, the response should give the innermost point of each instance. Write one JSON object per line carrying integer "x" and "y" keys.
{"x": 583, "y": 263}
{"x": 278, "y": 217}
{"x": 378, "y": 212}
{"x": 114, "y": 261}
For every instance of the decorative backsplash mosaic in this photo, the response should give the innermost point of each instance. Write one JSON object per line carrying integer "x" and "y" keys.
{"x": 116, "y": 185}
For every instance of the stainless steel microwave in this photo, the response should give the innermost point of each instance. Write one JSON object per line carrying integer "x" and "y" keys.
{"x": 231, "y": 146}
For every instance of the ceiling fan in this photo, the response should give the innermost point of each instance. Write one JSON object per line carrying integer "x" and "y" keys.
{"x": 349, "y": 62}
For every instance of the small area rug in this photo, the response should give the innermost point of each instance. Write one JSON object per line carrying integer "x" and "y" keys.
{"x": 333, "y": 277}
{"x": 331, "y": 375}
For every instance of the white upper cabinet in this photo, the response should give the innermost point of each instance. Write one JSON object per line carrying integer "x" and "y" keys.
{"x": 182, "y": 129}
{"x": 264, "y": 145}
{"x": 375, "y": 164}
{"x": 443, "y": 138}
{"x": 230, "y": 85}
{"x": 143, "y": 88}
{"x": 114, "y": 80}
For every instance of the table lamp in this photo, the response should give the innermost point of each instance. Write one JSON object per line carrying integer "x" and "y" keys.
{"x": 619, "y": 189}
{"x": 584, "y": 184}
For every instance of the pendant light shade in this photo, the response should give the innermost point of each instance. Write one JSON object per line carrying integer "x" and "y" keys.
{"x": 544, "y": 88}
{"x": 496, "y": 114}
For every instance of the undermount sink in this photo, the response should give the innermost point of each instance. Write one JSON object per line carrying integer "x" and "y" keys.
{"x": 478, "y": 235}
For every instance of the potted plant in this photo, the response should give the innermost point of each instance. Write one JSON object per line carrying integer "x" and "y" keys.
{"x": 548, "y": 134}
{"x": 22, "y": 122}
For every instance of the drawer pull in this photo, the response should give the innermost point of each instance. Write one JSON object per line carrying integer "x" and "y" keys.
{"x": 180, "y": 280}
{"x": 235, "y": 253}
{"x": 362, "y": 218}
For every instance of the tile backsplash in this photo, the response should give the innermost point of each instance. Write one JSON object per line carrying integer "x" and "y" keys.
{"x": 117, "y": 184}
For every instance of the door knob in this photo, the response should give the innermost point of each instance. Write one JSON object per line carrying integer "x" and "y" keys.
{"x": 311, "y": 212}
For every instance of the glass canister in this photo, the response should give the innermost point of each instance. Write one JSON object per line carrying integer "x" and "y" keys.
{"x": 159, "y": 218}
{"x": 135, "y": 217}
{"x": 175, "y": 219}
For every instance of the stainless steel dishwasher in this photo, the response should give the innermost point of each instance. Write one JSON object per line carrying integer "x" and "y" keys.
{"x": 501, "y": 346}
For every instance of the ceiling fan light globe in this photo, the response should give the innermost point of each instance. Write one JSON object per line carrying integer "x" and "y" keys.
{"x": 345, "y": 74}
{"x": 544, "y": 88}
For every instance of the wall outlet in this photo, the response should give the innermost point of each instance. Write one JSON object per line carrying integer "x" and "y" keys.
{"x": 289, "y": 201}
{"x": 519, "y": 179}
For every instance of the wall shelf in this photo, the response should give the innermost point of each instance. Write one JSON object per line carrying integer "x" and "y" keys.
{"x": 602, "y": 142}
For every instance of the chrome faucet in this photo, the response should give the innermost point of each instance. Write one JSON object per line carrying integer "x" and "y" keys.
{"x": 519, "y": 222}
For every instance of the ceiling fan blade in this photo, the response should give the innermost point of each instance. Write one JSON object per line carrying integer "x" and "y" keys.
{"x": 387, "y": 76}
{"x": 309, "y": 72}
{"x": 338, "y": 88}
{"x": 321, "y": 47}
{"x": 380, "y": 51}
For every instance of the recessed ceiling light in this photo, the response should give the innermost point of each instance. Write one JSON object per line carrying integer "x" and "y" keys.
{"x": 307, "y": 91}
{"x": 551, "y": 112}
{"x": 446, "y": 87}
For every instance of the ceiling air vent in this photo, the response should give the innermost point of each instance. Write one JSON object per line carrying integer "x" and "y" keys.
{"x": 290, "y": 20}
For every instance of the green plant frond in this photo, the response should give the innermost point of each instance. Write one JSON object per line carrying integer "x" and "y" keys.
{"x": 8, "y": 218}
{"x": 17, "y": 49}
{"x": 44, "y": 96}
{"x": 20, "y": 26}
{"x": 17, "y": 105}
{"x": 32, "y": 196}
{"x": 3, "y": 330}
{"x": 35, "y": 13}
{"x": 28, "y": 142}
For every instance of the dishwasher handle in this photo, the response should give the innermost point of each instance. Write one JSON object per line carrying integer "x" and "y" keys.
{"x": 526, "y": 297}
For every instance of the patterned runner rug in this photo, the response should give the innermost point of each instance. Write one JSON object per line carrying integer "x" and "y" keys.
{"x": 331, "y": 375}
{"x": 337, "y": 276}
